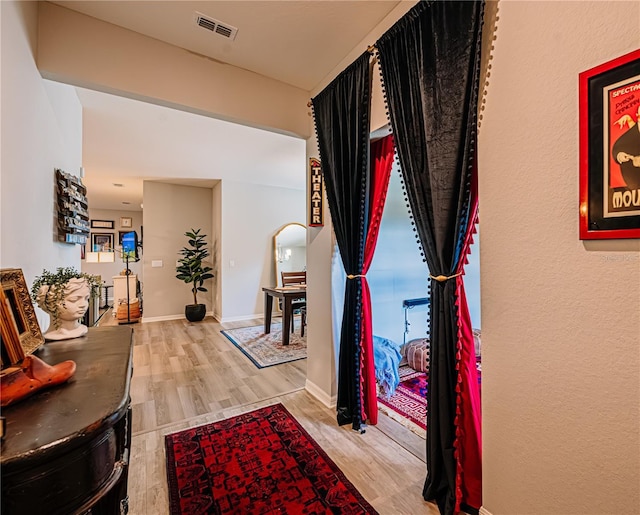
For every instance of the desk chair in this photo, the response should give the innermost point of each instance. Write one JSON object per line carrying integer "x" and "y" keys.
{"x": 292, "y": 279}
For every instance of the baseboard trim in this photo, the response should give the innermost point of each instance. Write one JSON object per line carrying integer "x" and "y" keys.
{"x": 166, "y": 318}
{"x": 321, "y": 395}
{"x": 161, "y": 319}
{"x": 224, "y": 320}
{"x": 484, "y": 511}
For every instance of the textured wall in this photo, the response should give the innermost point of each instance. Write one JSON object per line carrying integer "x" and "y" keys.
{"x": 190, "y": 208}
{"x": 84, "y": 51}
{"x": 560, "y": 317}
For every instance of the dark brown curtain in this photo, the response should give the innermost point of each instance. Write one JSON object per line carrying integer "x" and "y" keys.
{"x": 430, "y": 69}
{"x": 341, "y": 114}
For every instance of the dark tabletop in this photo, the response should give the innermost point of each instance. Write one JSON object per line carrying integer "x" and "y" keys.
{"x": 95, "y": 397}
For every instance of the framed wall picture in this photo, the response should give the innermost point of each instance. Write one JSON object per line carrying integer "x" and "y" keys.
{"x": 610, "y": 149}
{"x": 19, "y": 327}
{"x": 102, "y": 224}
{"x": 101, "y": 242}
{"x": 126, "y": 221}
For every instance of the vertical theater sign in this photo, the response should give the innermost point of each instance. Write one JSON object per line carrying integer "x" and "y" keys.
{"x": 315, "y": 192}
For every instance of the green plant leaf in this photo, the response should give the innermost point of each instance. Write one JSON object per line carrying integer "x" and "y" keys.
{"x": 190, "y": 268}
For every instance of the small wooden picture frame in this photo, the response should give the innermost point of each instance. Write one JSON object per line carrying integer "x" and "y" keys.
{"x": 102, "y": 224}
{"x": 126, "y": 221}
{"x": 19, "y": 327}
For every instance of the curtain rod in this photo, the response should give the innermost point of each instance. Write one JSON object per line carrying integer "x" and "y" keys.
{"x": 371, "y": 49}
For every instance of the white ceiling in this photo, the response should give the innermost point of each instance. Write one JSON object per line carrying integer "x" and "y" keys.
{"x": 125, "y": 140}
{"x": 276, "y": 38}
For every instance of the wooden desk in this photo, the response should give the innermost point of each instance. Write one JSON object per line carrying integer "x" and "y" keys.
{"x": 66, "y": 449}
{"x": 287, "y": 294}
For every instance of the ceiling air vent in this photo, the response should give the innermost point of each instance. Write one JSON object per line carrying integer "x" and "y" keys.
{"x": 223, "y": 29}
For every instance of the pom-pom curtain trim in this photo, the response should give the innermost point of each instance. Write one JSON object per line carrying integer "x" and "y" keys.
{"x": 430, "y": 62}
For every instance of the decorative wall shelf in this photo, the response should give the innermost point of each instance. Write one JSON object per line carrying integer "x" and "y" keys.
{"x": 73, "y": 209}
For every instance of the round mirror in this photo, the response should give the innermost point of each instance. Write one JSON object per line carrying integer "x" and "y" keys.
{"x": 290, "y": 250}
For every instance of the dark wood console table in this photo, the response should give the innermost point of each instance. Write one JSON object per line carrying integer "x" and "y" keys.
{"x": 66, "y": 449}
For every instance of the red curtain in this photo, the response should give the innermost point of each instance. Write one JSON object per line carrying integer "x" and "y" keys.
{"x": 382, "y": 152}
{"x": 468, "y": 444}
{"x": 468, "y": 419}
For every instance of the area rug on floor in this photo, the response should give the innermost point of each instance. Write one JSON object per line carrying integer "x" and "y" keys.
{"x": 266, "y": 350}
{"x": 257, "y": 463}
{"x": 408, "y": 404}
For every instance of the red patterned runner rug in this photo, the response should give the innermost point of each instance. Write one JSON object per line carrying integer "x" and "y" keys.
{"x": 261, "y": 462}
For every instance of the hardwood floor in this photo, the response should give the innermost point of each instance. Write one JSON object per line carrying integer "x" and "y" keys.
{"x": 189, "y": 374}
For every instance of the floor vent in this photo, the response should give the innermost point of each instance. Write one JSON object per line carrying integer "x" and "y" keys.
{"x": 222, "y": 29}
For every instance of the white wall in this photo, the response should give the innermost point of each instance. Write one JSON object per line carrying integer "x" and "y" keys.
{"x": 41, "y": 130}
{"x": 251, "y": 216}
{"x": 560, "y": 316}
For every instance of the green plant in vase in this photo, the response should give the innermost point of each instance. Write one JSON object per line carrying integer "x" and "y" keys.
{"x": 192, "y": 270}
{"x": 64, "y": 294}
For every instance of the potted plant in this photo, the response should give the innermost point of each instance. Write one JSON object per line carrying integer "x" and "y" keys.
{"x": 192, "y": 271}
{"x": 64, "y": 294}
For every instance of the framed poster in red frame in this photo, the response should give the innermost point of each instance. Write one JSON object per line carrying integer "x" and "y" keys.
{"x": 609, "y": 99}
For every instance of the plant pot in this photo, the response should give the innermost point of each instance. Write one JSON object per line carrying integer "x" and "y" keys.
{"x": 195, "y": 312}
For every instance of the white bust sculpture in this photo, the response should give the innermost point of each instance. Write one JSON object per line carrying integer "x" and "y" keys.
{"x": 70, "y": 309}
